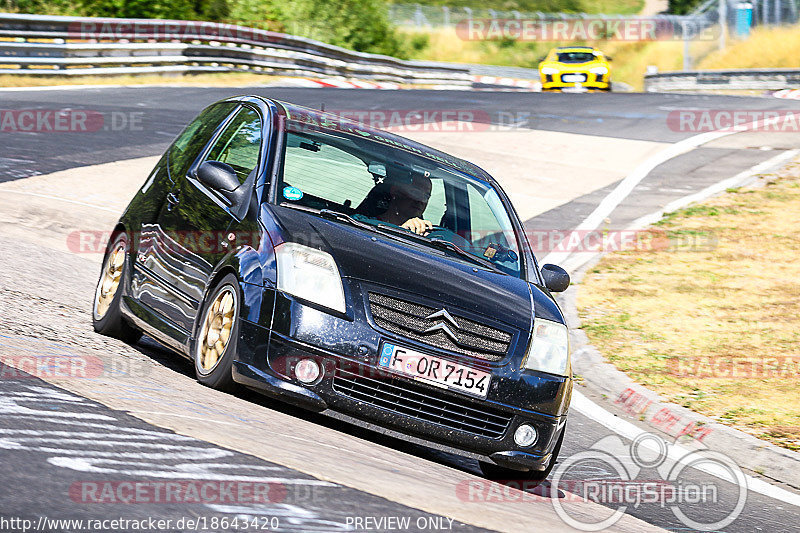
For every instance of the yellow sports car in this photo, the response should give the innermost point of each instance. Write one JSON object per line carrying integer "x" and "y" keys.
{"x": 575, "y": 68}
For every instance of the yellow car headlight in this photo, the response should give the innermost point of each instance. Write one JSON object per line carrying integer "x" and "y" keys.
{"x": 549, "y": 70}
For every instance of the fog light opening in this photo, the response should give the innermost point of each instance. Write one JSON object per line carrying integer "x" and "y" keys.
{"x": 525, "y": 435}
{"x": 306, "y": 371}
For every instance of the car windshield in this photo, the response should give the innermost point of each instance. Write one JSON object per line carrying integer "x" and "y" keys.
{"x": 575, "y": 57}
{"x": 375, "y": 183}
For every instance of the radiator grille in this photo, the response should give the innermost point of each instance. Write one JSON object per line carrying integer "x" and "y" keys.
{"x": 409, "y": 320}
{"x": 409, "y": 399}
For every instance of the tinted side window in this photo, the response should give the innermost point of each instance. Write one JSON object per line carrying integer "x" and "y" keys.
{"x": 194, "y": 137}
{"x": 239, "y": 145}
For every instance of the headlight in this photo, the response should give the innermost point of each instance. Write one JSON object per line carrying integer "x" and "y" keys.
{"x": 309, "y": 274}
{"x": 549, "y": 348}
{"x": 549, "y": 70}
{"x": 599, "y": 70}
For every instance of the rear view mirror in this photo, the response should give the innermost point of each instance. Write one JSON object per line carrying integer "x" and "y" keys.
{"x": 377, "y": 169}
{"x": 556, "y": 279}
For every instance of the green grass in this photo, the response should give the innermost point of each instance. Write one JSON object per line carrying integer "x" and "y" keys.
{"x": 715, "y": 328}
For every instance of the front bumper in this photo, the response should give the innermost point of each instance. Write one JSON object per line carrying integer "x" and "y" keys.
{"x": 386, "y": 403}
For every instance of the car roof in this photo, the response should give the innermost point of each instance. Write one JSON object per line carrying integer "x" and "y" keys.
{"x": 576, "y": 49}
{"x": 332, "y": 123}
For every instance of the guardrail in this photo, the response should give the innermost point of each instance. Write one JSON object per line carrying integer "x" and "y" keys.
{"x": 69, "y": 46}
{"x": 713, "y": 80}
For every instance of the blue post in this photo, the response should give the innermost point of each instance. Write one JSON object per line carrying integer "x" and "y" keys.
{"x": 744, "y": 19}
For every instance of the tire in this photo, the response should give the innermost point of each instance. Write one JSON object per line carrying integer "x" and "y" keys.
{"x": 106, "y": 314}
{"x": 499, "y": 473}
{"x": 214, "y": 346}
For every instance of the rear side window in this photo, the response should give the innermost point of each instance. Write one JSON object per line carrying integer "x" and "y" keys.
{"x": 239, "y": 145}
{"x": 195, "y": 136}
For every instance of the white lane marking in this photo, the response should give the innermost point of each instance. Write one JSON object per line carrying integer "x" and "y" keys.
{"x": 9, "y": 407}
{"x": 626, "y": 186}
{"x": 737, "y": 180}
{"x": 151, "y": 435}
{"x": 91, "y": 465}
{"x": 280, "y": 509}
{"x": 76, "y": 202}
{"x": 205, "y": 420}
{"x": 95, "y": 425}
{"x": 57, "y": 88}
{"x": 582, "y": 404}
{"x": 676, "y": 452}
{"x": 575, "y": 261}
{"x": 92, "y": 442}
{"x": 192, "y": 453}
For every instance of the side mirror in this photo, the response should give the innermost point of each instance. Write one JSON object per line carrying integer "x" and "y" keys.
{"x": 221, "y": 178}
{"x": 218, "y": 176}
{"x": 556, "y": 278}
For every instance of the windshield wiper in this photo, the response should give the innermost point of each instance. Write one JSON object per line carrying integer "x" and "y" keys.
{"x": 442, "y": 245}
{"x": 331, "y": 215}
{"x": 344, "y": 217}
{"x": 465, "y": 254}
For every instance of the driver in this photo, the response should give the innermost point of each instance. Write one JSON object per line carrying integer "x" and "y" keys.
{"x": 407, "y": 203}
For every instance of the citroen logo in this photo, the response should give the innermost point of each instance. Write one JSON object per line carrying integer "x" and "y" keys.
{"x": 441, "y": 325}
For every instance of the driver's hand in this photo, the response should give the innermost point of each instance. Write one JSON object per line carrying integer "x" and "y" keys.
{"x": 418, "y": 226}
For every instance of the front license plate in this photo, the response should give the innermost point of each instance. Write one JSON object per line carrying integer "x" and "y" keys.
{"x": 434, "y": 370}
{"x": 569, "y": 78}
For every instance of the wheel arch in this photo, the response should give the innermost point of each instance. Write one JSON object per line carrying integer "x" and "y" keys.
{"x": 223, "y": 270}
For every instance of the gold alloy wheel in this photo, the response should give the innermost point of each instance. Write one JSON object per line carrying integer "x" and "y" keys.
{"x": 216, "y": 331}
{"x": 109, "y": 281}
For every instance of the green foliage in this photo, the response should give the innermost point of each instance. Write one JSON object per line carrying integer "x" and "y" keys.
{"x": 625, "y": 7}
{"x": 683, "y": 7}
{"x": 546, "y": 6}
{"x": 175, "y": 9}
{"x": 360, "y": 25}
{"x": 419, "y": 41}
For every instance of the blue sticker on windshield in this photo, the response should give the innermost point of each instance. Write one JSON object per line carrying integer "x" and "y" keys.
{"x": 292, "y": 193}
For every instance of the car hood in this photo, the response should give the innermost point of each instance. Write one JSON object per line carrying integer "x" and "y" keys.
{"x": 437, "y": 276}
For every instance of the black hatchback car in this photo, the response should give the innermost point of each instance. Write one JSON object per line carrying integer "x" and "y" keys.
{"x": 348, "y": 271}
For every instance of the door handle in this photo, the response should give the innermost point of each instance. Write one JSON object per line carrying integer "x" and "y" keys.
{"x": 172, "y": 201}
